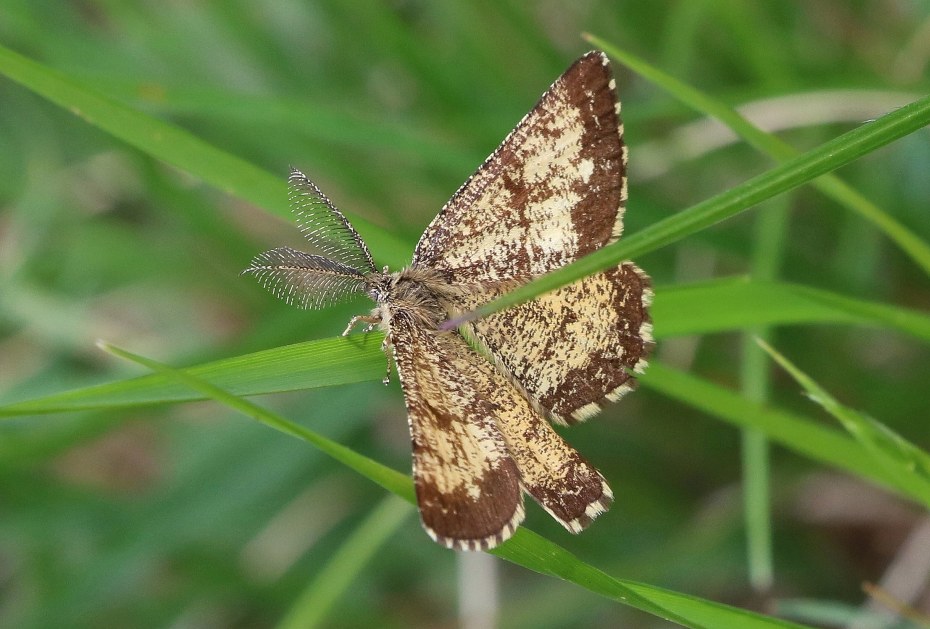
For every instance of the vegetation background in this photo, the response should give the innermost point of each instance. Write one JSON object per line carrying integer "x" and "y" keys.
{"x": 189, "y": 515}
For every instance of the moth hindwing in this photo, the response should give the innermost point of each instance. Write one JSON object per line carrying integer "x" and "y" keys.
{"x": 552, "y": 192}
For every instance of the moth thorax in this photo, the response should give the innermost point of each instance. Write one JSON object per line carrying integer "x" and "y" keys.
{"x": 413, "y": 293}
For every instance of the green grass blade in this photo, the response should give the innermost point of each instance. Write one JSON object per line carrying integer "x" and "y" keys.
{"x": 716, "y": 306}
{"x": 311, "y": 609}
{"x": 757, "y": 508}
{"x": 326, "y": 362}
{"x": 786, "y": 176}
{"x": 769, "y": 232}
{"x": 525, "y": 548}
{"x": 899, "y": 457}
{"x": 177, "y": 147}
{"x": 830, "y": 185}
{"x": 738, "y": 303}
{"x": 322, "y": 124}
{"x": 536, "y": 553}
{"x": 804, "y": 436}
{"x": 391, "y": 480}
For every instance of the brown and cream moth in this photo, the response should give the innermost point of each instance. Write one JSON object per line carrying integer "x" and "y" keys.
{"x": 552, "y": 192}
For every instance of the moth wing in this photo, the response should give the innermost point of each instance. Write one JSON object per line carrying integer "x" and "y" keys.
{"x": 569, "y": 488}
{"x": 571, "y": 349}
{"x": 552, "y": 192}
{"x": 467, "y": 484}
{"x": 305, "y": 280}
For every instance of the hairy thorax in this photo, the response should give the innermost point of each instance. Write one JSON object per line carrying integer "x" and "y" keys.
{"x": 415, "y": 294}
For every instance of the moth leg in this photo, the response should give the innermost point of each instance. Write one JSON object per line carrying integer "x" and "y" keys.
{"x": 371, "y": 320}
{"x": 386, "y": 380}
{"x": 386, "y": 347}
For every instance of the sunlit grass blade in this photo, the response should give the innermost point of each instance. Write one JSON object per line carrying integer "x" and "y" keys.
{"x": 391, "y": 480}
{"x": 804, "y": 436}
{"x": 786, "y": 176}
{"x": 316, "y": 601}
{"x": 895, "y": 454}
{"x": 326, "y": 362}
{"x": 525, "y": 548}
{"x": 830, "y": 185}
{"x": 536, "y": 553}
{"x": 178, "y": 147}
{"x": 703, "y": 308}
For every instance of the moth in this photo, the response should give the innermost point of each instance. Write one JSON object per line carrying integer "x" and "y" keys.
{"x": 480, "y": 398}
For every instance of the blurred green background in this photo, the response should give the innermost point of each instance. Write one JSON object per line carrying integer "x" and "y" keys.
{"x": 192, "y": 516}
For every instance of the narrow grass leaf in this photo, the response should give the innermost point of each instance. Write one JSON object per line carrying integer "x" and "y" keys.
{"x": 322, "y": 124}
{"x": 800, "y": 434}
{"x": 770, "y": 228}
{"x": 321, "y": 363}
{"x": 536, "y": 553}
{"x": 525, "y": 548}
{"x": 899, "y": 457}
{"x": 784, "y": 177}
{"x": 737, "y": 303}
{"x": 830, "y": 185}
{"x": 177, "y": 147}
{"x": 716, "y": 306}
{"x": 316, "y": 601}
{"x": 391, "y": 480}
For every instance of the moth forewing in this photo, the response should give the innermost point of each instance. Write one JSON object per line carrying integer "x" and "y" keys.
{"x": 552, "y": 192}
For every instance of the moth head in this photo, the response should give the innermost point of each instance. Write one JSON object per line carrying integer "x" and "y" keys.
{"x": 380, "y": 285}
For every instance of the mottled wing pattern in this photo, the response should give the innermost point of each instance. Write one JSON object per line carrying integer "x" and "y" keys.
{"x": 467, "y": 483}
{"x": 574, "y": 348}
{"x": 305, "y": 280}
{"x": 477, "y": 440}
{"x": 569, "y": 488}
{"x": 325, "y": 227}
{"x": 552, "y": 192}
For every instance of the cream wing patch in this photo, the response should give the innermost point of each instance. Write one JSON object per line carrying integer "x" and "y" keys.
{"x": 573, "y": 348}
{"x": 569, "y": 488}
{"x": 552, "y": 192}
